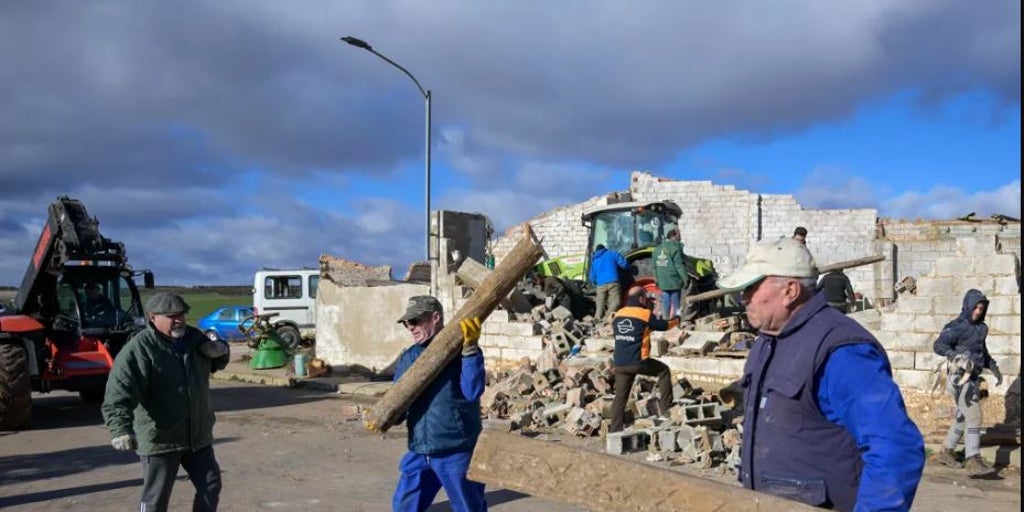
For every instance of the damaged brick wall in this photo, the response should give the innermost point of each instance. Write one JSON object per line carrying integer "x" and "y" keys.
{"x": 343, "y": 272}
{"x": 720, "y": 222}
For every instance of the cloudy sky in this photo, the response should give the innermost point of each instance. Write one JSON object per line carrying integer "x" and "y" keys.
{"x": 215, "y": 138}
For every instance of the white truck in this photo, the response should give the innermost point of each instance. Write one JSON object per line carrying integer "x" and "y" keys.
{"x": 292, "y": 294}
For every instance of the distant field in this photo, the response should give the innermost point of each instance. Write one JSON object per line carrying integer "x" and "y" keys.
{"x": 202, "y": 300}
{"x": 203, "y": 303}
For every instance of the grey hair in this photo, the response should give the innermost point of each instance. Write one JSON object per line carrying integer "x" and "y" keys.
{"x": 808, "y": 285}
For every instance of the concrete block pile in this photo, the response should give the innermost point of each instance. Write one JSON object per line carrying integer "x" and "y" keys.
{"x": 575, "y": 395}
{"x": 714, "y": 334}
{"x": 559, "y": 329}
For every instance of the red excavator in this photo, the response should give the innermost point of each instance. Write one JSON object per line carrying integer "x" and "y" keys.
{"x": 77, "y": 306}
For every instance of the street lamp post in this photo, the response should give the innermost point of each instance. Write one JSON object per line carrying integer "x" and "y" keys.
{"x": 359, "y": 43}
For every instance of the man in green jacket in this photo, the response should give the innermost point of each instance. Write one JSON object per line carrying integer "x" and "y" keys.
{"x": 158, "y": 402}
{"x": 670, "y": 274}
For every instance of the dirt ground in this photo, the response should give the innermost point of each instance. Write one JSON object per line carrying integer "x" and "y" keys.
{"x": 296, "y": 449}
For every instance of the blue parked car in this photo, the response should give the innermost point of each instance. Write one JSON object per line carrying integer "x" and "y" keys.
{"x": 222, "y": 324}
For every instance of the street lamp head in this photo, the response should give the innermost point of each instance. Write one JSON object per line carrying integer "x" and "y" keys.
{"x": 359, "y": 43}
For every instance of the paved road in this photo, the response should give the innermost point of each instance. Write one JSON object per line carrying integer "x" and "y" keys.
{"x": 280, "y": 449}
{"x": 294, "y": 449}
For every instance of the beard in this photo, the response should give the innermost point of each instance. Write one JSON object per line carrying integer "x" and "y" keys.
{"x": 178, "y": 332}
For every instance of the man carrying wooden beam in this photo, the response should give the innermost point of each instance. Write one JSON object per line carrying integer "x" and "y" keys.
{"x": 823, "y": 421}
{"x": 444, "y": 421}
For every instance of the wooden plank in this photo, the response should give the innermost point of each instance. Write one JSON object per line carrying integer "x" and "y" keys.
{"x": 605, "y": 483}
{"x": 857, "y": 262}
{"x": 447, "y": 344}
{"x": 472, "y": 273}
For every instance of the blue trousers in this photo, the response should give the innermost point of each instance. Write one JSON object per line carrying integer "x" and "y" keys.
{"x": 670, "y": 303}
{"x": 422, "y": 476}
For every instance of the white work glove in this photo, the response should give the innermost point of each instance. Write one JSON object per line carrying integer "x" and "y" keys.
{"x": 214, "y": 349}
{"x": 123, "y": 443}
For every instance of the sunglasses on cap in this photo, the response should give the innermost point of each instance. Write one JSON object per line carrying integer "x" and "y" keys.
{"x": 418, "y": 320}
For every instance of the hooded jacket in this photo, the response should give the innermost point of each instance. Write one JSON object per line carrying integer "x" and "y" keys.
{"x": 605, "y": 265}
{"x": 161, "y": 395}
{"x": 966, "y": 336}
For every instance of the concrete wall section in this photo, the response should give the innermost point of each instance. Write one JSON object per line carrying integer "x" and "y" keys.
{"x": 908, "y": 329}
{"x": 356, "y": 326}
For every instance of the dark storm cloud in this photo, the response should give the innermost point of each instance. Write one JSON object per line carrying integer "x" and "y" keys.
{"x": 154, "y": 112}
{"x": 155, "y": 92}
{"x": 268, "y": 84}
{"x": 230, "y": 249}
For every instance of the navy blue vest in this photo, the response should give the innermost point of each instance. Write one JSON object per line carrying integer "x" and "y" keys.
{"x": 789, "y": 448}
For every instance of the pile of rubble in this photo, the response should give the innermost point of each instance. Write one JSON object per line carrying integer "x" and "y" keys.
{"x": 714, "y": 335}
{"x": 576, "y": 396}
{"x": 563, "y": 334}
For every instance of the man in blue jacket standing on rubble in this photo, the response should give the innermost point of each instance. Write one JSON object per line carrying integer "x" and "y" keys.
{"x": 444, "y": 421}
{"x": 823, "y": 421}
{"x": 605, "y": 266}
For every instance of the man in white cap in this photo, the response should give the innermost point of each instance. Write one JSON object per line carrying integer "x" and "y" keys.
{"x": 824, "y": 423}
{"x": 158, "y": 403}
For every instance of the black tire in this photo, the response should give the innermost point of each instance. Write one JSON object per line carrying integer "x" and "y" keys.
{"x": 289, "y": 337}
{"x": 15, "y": 386}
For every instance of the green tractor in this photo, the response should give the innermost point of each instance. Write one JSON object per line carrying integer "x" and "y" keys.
{"x": 635, "y": 229}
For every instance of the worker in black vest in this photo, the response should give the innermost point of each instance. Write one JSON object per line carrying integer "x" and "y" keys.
{"x": 631, "y": 327}
{"x": 823, "y": 421}
{"x": 838, "y": 290}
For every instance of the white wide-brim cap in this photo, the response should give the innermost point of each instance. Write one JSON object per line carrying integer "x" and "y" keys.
{"x": 783, "y": 257}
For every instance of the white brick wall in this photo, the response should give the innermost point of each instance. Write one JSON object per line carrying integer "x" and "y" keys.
{"x": 947, "y": 258}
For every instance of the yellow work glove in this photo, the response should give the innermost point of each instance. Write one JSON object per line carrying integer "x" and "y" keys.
{"x": 470, "y": 335}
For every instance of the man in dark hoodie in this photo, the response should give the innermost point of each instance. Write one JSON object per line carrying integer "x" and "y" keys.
{"x": 962, "y": 341}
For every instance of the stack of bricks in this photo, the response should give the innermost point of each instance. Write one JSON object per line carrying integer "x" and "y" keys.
{"x": 908, "y": 329}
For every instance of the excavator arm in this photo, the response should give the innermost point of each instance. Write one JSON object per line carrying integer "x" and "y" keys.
{"x": 69, "y": 235}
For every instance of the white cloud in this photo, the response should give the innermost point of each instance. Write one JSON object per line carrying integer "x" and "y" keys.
{"x": 945, "y": 202}
{"x": 829, "y": 187}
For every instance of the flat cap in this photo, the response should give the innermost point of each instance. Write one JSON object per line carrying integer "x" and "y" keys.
{"x": 166, "y": 304}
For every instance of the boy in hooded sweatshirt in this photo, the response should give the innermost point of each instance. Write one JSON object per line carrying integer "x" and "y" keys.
{"x": 962, "y": 341}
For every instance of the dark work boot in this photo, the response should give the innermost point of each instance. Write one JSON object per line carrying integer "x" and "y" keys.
{"x": 977, "y": 467}
{"x": 947, "y": 457}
